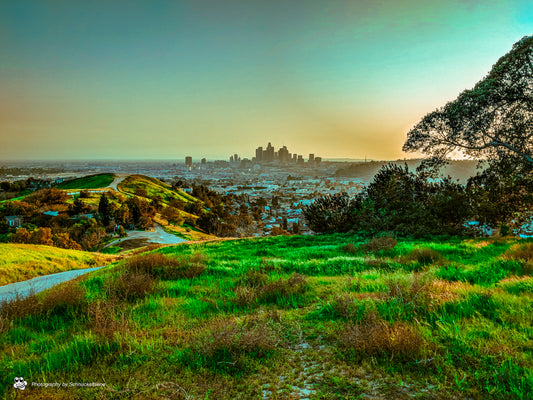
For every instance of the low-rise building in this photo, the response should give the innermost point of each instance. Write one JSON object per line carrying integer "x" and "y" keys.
{"x": 14, "y": 221}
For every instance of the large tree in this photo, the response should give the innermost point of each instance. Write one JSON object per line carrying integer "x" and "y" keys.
{"x": 493, "y": 121}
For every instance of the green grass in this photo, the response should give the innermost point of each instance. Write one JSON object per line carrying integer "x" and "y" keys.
{"x": 287, "y": 315}
{"x": 153, "y": 187}
{"x": 19, "y": 262}
{"x": 88, "y": 182}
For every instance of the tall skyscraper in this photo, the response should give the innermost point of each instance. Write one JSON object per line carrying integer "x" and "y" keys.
{"x": 268, "y": 154}
{"x": 188, "y": 161}
{"x": 283, "y": 155}
{"x": 259, "y": 154}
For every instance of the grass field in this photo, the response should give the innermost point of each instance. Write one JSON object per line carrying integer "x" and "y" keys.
{"x": 153, "y": 187}
{"x": 318, "y": 317}
{"x": 25, "y": 261}
{"x": 88, "y": 182}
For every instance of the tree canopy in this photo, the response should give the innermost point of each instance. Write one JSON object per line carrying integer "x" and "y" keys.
{"x": 494, "y": 120}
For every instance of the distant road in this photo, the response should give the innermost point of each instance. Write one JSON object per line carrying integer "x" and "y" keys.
{"x": 36, "y": 285}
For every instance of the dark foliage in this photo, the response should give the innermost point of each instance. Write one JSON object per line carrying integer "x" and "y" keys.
{"x": 331, "y": 213}
{"x": 493, "y": 120}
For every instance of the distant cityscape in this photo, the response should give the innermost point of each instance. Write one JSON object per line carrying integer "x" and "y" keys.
{"x": 266, "y": 155}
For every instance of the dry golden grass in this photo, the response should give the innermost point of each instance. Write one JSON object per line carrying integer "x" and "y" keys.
{"x": 20, "y": 262}
{"x": 103, "y": 320}
{"x": 254, "y": 288}
{"x": 374, "y": 336}
{"x": 440, "y": 291}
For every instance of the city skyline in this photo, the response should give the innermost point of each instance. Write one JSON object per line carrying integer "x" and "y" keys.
{"x": 168, "y": 79}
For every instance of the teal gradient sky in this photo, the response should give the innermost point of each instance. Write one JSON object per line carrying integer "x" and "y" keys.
{"x": 165, "y": 79}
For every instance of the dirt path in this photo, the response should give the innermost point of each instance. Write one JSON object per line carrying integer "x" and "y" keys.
{"x": 36, "y": 285}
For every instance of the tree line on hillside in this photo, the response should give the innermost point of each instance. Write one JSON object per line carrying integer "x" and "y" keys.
{"x": 78, "y": 225}
{"x": 402, "y": 202}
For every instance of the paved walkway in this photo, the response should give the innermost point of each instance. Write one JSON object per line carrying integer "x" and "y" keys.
{"x": 36, "y": 285}
{"x": 158, "y": 235}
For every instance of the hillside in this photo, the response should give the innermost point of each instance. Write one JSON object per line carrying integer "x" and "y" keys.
{"x": 20, "y": 262}
{"x": 153, "y": 187}
{"x": 457, "y": 169}
{"x": 88, "y": 182}
{"x": 318, "y": 317}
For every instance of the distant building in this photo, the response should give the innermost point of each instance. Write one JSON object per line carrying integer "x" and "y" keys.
{"x": 259, "y": 154}
{"x": 14, "y": 221}
{"x": 204, "y": 161}
{"x": 283, "y": 155}
{"x": 188, "y": 161}
{"x": 300, "y": 159}
{"x": 268, "y": 154}
{"x": 311, "y": 158}
{"x": 318, "y": 160}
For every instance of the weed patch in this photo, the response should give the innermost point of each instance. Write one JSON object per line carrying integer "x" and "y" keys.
{"x": 160, "y": 266}
{"x": 375, "y": 337}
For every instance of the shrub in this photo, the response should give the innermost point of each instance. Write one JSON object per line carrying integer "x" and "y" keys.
{"x": 20, "y": 307}
{"x": 330, "y": 213}
{"x": 157, "y": 265}
{"x": 68, "y": 298}
{"x": 344, "y": 307}
{"x": 421, "y": 257}
{"x": 374, "y": 337}
{"x": 253, "y": 278}
{"x": 227, "y": 346}
{"x": 254, "y": 289}
{"x": 380, "y": 244}
{"x": 131, "y": 286}
{"x": 102, "y": 319}
{"x": 414, "y": 290}
{"x": 350, "y": 248}
{"x": 282, "y": 288}
{"x": 522, "y": 253}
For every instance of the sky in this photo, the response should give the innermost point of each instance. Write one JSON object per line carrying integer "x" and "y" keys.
{"x": 155, "y": 79}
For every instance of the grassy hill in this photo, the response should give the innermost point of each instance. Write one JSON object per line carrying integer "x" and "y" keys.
{"x": 319, "y": 317}
{"x": 153, "y": 187}
{"x": 25, "y": 261}
{"x": 88, "y": 182}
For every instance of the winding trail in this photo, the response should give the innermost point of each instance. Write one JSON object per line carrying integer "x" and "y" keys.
{"x": 118, "y": 178}
{"x": 158, "y": 235}
{"x": 36, "y": 285}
